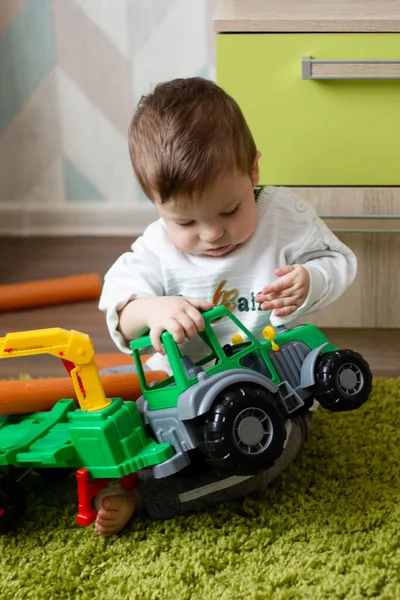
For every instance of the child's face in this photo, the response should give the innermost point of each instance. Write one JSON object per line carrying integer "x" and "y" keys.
{"x": 219, "y": 221}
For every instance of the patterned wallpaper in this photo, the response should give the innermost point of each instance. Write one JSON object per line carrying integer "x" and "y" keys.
{"x": 71, "y": 73}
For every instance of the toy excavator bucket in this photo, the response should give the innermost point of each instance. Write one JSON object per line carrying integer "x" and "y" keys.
{"x": 75, "y": 350}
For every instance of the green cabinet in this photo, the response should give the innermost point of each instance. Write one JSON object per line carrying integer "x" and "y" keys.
{"x": 341, "y": 128}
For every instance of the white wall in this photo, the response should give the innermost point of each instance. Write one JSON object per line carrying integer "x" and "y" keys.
{"x": 71, "y": 74}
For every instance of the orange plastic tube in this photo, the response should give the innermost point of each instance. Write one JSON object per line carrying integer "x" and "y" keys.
{"x": 47, "y": 292}
{"x": 104, "y": 361}
{"x": 36, "y": 395}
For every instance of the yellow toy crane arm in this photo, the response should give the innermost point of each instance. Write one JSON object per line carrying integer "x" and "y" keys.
{"x": 71, "y": 346}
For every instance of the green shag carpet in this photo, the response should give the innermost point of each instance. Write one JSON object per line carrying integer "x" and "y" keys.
{"x": 328, "y": 529}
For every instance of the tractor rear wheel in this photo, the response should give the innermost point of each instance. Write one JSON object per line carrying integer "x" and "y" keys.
{"x": 343, "y": 380}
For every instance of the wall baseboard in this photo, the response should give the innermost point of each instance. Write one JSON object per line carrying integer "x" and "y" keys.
{"x": 91, "y": 220}
{"x": 379, "y": 347}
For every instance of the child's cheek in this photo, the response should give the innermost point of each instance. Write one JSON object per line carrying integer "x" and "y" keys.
{"x": 188, "y": 241}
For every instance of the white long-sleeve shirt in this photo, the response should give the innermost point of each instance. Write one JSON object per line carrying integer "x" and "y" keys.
{"x": 288, "y": 231}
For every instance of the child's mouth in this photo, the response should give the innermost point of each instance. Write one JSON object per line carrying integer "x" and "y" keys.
{"x": 221, "y": 251}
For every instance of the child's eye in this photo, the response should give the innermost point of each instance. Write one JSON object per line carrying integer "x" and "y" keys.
{"x": 188, "y": 224}
{"x": 231, "y": 212}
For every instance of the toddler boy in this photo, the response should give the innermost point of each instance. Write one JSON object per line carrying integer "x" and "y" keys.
{"x": 220, "y": 239}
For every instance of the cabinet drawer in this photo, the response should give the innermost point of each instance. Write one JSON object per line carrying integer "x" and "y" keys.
{"x": 367, "y": 220}
{"x": 341, "y": 128}
{"x": 356, "y": 209}
{"x": 372, "y": 300}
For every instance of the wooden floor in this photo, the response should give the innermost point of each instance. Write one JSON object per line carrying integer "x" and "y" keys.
{"x": 25, "y": 259}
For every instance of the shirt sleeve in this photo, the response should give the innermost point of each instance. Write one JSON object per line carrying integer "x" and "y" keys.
{"x": 331, "y": 265}
{"x": 136, "y": 274}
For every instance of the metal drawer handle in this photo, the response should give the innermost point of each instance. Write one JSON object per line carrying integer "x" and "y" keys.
{"x": 358, "y": 223}
{"x": 349, "y": 69}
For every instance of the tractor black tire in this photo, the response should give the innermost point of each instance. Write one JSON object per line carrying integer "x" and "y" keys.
{"x": 244, "y": 431}
{"x": 12, "y": 502}
{"x": 343, "y": 380}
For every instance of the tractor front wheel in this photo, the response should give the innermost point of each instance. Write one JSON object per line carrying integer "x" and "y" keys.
{"x": 244, "y": 432}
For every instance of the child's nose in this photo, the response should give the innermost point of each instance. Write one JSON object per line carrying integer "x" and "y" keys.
{"x": 211, "y": 234}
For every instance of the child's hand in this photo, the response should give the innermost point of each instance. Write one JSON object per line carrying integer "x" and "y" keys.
{"x": 180, "y": 316}
{"x": 288, "y": 292}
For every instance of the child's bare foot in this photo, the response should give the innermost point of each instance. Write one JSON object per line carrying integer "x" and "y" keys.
{"x": 116, "y": 506}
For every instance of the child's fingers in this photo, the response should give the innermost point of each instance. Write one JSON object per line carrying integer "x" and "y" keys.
{"x": 286, "y": 281}
{"x": 196, "y": 318}
{"x": 188, "y": 325}
{"x": 284, "y": 312}
{"x": 155, "y": 338}
{"x": 200, "y": 304}
{"x": 176, "y": 330}
{"x": 286, "y": 293}
{"x": 284, "y": 270}
{"x": 278, "y": 303}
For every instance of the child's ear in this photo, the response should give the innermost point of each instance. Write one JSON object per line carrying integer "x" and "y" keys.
{"x": 255, "y": 173}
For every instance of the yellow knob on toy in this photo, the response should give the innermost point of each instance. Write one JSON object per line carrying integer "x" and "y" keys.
{"x": 236, "y": 338}
{"x": 269, "y": 333}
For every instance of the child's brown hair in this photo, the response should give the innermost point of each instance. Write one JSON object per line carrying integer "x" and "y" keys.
{"x": 184, "y": 135}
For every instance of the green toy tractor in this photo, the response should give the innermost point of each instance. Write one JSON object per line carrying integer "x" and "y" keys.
{"x": 234, "y": 402}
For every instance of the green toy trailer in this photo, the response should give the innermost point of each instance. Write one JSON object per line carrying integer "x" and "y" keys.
{"x": 103, "y": 438}
{"x": 232, "y": 406}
